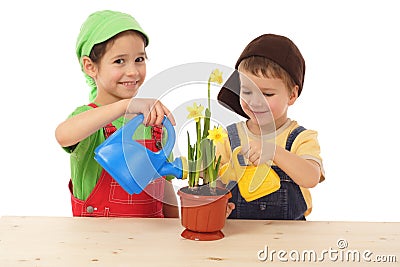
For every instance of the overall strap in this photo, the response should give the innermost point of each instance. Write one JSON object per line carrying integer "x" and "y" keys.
{"x": 156, "y": 131}
{"x": 235, "y": 140}
{"x": 156, "y": 134}
{"x": 109, "y": 129}
{"x": 292, "y": 137}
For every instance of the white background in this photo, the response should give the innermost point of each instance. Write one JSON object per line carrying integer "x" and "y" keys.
{"x": 350, "y": 93}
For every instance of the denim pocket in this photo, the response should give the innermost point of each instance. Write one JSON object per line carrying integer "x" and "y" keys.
{"x": 270, "y": 207}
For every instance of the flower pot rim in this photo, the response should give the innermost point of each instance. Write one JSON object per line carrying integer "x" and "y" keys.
{"x": 193, "y": 200}
{"x": 213, "y": 197}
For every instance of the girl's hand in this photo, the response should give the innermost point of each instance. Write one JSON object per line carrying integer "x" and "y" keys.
{"x": 259, "y": 152}
{"x": 153, "y": 110}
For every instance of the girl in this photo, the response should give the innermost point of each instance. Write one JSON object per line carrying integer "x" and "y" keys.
{"x": 111, "y": 51}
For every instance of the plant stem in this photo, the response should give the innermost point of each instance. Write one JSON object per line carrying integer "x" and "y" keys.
{"x": 198, "y": 152}
{"x": 209, "y": 94}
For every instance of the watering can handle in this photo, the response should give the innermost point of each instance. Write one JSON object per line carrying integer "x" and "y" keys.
{"x": 131, "y": 126}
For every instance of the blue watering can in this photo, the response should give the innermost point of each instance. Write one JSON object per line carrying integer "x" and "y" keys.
{"x": 134, "y": 166}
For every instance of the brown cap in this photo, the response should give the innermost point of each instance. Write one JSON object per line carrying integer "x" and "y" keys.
{"x": 280, "y": 50}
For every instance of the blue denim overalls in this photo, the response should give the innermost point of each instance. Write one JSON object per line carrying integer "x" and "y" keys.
{"x": 285, "y": 204}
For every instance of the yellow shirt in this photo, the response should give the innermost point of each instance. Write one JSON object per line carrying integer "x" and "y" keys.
{"x": 305, "y": 145}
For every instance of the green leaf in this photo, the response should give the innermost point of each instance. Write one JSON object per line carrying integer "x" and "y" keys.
{"x": 218, "y": 163}
{"x": 206, "y": 123}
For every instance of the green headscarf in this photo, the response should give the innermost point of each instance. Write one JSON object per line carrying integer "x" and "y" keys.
{"x": 99, "y": 27}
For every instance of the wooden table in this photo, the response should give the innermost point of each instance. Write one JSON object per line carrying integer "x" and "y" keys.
{"x": 58, "y": 241}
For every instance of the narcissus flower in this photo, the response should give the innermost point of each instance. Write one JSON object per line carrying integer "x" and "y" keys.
{"x": 195, "y": 112}
{"x": 217, "y": 134}
{"x": 216, "y": 76}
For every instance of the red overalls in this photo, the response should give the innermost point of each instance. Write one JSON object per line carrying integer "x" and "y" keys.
{"x": 109, "y": 199}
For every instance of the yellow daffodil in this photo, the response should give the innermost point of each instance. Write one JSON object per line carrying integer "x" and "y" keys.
{"x": 195, "y": 112}
{"x": 203, "y": 152}
{"x": 216, "y": 76}
{"x": 217, "y": 134}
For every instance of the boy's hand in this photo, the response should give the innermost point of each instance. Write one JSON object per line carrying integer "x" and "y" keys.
{"x": 259, "y": 152}
{"x": 229, "y": 208}
{"x": 153, "y": 110}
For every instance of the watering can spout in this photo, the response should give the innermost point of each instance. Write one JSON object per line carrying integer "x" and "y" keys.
{"x": 177, "y": 168}
{"x": 231, "y": 170}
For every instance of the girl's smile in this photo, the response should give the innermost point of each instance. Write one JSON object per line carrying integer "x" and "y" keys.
{"x": 130, "y": 85}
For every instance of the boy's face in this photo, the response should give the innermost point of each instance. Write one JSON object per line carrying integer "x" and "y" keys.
{"x": 264, "y": 100}
{"x": 122, "y": 69}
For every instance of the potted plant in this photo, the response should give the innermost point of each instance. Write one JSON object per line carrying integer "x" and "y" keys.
{"x": 203, "y": 204}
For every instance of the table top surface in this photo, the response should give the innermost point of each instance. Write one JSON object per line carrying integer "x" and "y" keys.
{"x": 72, "y": 241}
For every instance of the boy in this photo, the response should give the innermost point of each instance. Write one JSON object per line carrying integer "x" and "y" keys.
{"x": 270, "y": 79}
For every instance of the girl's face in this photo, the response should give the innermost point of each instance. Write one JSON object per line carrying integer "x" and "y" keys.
{"x": 265, "y": 101}
{"x": 122, "y": 69}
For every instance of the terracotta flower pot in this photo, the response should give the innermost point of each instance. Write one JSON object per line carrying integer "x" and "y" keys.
{"x": 203, "y": 216}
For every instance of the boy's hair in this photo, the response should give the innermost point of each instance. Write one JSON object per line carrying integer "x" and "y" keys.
{"x": 264, "y": 67}
{"x": 278, "y": 51}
